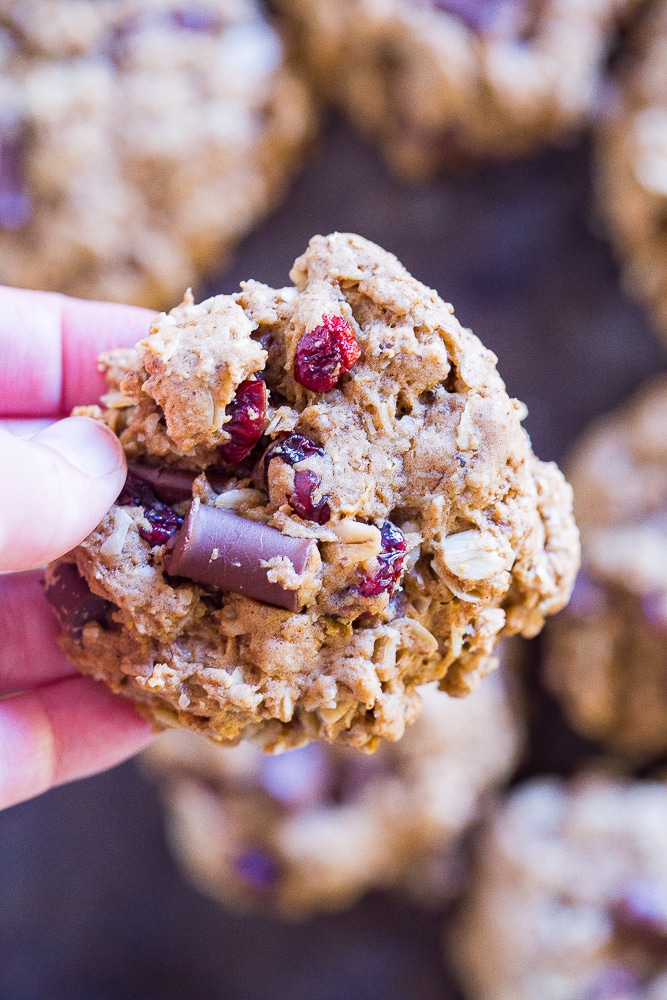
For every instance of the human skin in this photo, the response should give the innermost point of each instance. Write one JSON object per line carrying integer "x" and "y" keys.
{"x": 55, "y": 486}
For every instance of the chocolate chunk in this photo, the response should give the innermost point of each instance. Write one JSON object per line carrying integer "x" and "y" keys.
{"x": 163, "y": 521}
{"x": 169, "y": 485}
{"x": 220, "y": 548}
{"x": 72, "y": 600}
{"x": 220, "y": 480}
{"x": 174, "y": 485}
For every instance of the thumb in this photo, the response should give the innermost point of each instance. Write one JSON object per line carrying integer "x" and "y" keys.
{"x": 55, "y": 488}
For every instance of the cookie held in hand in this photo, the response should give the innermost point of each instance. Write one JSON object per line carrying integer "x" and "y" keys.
{"x": 331, "y": 501}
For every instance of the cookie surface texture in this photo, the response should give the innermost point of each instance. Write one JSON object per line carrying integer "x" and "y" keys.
{"x": 436, "y": 81}
{"x": 380, "y": 529}
{"x": 314, "y": 829}
{"x": 607, "y": 653}
{"x": 140, "y": 141}
{"x": 569, "y": 895}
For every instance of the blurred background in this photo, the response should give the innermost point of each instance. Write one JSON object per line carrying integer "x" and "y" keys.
{"x": 92, "y": 905}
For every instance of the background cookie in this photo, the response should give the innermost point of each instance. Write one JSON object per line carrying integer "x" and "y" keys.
{"x": 569, "y": 896}
{"x": 632, "y": 165}
{"x": 315, "y": 828}
{"x": 607, "y": 652}
{"x": 434, "y": 80}
{"x": 368, "y": 486}
{"x": 139, "y": 141}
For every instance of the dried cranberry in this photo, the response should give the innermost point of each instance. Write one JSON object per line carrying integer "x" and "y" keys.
{"x": 293, "y": 449}
{"x": 163, "y": 519}
{"x": 301, "y": 500}
{"x": 248, "y": 416}
{"x": 323, "y": 354}
{"x": 390, "y": 563}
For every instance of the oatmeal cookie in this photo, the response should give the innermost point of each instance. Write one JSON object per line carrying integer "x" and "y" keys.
{"x": 607, "y": 652}
{"x": 632, "y": 165}
{"x": 331, "y": 501}
{"x": 315, "y": 828}
{"x": 436, "y": 80}
{"x": 138, "y": 141}
{"x": 569, "y": 896}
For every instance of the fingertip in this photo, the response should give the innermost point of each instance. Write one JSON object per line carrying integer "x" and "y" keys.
{"x": 56, "y": 487}
{"x": 87, "y": 444}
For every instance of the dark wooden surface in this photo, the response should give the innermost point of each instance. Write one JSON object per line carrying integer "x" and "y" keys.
{"x": 91, "y": 907}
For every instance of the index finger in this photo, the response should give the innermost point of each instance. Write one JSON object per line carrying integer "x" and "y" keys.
{"x": 49, "y": 345}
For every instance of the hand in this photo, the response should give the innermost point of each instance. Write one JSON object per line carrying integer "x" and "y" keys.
{"x": 55, "y": 725}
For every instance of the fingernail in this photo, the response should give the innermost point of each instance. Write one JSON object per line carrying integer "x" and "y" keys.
{"x": 87, "y": 444}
